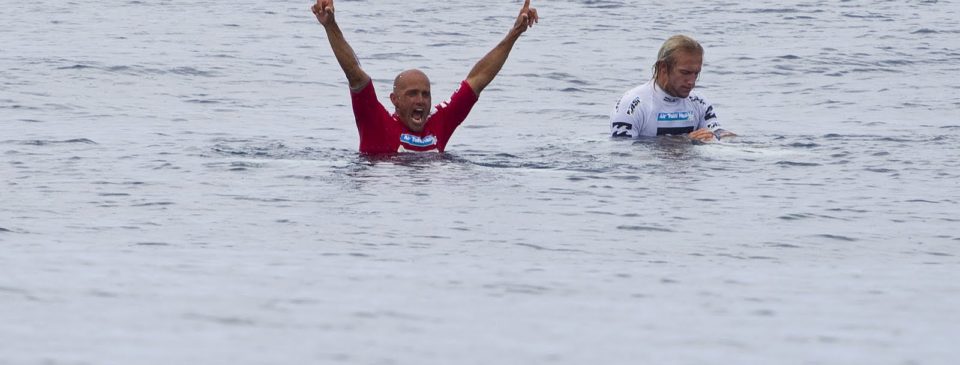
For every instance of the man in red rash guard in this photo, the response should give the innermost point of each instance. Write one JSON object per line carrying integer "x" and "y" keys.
{"x": 411, "y": 127}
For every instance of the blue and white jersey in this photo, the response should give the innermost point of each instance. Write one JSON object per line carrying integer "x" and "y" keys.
{"x": 648, "y": 111}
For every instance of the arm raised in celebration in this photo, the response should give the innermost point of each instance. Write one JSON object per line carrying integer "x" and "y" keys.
{"x": 489, "y": 66}
{"x": 357, "y": 78}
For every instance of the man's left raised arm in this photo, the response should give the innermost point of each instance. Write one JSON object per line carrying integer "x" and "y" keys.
{"x": 489, "y": 66}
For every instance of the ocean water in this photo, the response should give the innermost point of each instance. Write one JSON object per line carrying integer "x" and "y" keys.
{"x": 181, "y": 184}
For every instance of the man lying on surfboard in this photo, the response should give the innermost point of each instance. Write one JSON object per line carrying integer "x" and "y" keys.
{"x": 667, "y": 105}
{"x": 412, "y": 127}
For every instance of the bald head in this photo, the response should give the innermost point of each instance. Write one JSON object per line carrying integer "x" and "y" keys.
{"x": 409, "y": 76}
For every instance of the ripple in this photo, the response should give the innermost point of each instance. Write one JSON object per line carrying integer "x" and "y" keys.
{"x": 796, "y": 216}
{"x": 798, "y": 164}
{"x": 152, "y": 244}
{"x": 137, "y": 70}
{"x": 803, "y": 145}
{"x": 542, "y": 248}
{"x": 836, "y": 237}
{"x": 153, "y": 204}
{"x": 42, "y": 142}
{"x": 644, "y": 228}
{"x": 190, "y": 71}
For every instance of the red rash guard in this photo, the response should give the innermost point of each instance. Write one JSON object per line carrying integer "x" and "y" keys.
{"x": 383, "y": 133}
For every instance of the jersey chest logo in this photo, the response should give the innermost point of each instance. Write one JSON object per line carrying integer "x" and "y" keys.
{"x": 673, "y": 117}
{"x": 417, "y": 141}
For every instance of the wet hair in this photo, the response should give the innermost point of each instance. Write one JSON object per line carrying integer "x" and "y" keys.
{"x": 667, "y": 55}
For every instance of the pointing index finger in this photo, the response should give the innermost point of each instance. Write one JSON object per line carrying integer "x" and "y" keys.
{"x": 526, "y": 5}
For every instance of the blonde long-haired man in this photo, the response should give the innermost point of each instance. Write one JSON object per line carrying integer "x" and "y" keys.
{"x": 667, "y": 104}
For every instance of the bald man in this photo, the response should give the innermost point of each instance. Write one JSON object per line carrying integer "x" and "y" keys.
{"x": 412, "y": 127}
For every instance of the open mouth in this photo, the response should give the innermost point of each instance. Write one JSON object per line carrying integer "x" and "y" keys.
{"x": 419, "y": 115}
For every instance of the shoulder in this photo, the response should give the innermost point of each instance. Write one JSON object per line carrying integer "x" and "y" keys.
{"x": 366, "y": 92}
{"x": 463, "y": 93}
{"x": 633, "y": 99}
{"x": 641, "y": 90}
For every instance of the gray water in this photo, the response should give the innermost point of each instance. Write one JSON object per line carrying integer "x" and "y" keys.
{"x": 181, "y": 185}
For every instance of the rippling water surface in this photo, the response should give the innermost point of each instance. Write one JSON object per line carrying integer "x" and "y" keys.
{"x": 181, "y": 185}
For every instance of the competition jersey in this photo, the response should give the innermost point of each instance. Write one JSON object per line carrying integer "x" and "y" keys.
{"x": 649, "y": 111}
{"x": 382, "y": 132}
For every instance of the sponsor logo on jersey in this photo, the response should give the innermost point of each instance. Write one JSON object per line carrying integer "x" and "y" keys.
{"x": 633, "y": 106}
{"x": 709, "y": 114}
{"x": 417, "y": 141}
{"x": 622, "y": 129}
{"x": 673, "y": 117}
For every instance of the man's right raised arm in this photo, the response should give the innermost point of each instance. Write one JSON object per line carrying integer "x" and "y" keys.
{"x": 357, "y": 78}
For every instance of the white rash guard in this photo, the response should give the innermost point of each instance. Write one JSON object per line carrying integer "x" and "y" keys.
{"x": 649, "y": 111}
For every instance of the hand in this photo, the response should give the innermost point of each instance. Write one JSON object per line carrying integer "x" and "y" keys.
{"x": 528, "y": 16}
{"x": 323, "y": 9}
{"x": 703, "y": 135}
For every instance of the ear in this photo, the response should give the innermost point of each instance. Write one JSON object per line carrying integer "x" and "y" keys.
{"x": 662, "y": 67}
{"x": 395, "y": 100}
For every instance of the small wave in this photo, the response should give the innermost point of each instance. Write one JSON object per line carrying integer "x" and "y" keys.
{"x": 794, "y": 217}
{"x": 152, "y": 244}
{"x": 202, "y": 101}
{"x": 137, "y": 70}
{"x": 598, "y": 4}
{"x": 76, "y": 67}
{"x": 153, "y": 204}
{"x": 803, "y": 145}
{"x": 798, "y": 164}
{"x": 782, "y": 245}
{"x": 836, "y": 237}
{"x": 4, "y": 230}
{"x": 897, "y": 139}
{"x": 773, "y": 11}
{"x": 392, "y": 56}
{"x": 190, "y": 71}
{"x": 644, "y": 229}
{"x": 865, "y": 16}
{"x": 41, "y": 142}
{"x": 924, "y": 31}
{"x": 922, "y": 201}
{"x": 541, "y": 248}
{"x": 257, "y": 199}
{"x": 19, "y": 107}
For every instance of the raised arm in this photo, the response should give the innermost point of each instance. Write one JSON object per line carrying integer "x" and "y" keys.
{"x": 357, "y": 78}
{"x": 489, "y": 66}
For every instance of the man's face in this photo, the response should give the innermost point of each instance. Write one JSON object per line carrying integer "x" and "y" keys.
{"x": 411, "y": 98}
{"x": 683, "y": 77}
